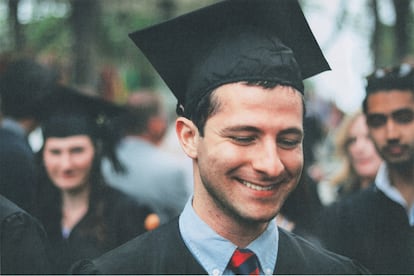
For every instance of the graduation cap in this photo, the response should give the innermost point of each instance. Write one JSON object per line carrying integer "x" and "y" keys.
{"x": 68, "y": 112}
{"x": 231, "y": 41}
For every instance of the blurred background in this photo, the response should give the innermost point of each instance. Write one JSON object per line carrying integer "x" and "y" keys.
{"x": 87, "y": 41}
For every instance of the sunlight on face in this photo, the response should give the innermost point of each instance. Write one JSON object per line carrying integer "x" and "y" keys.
{"x": 69, "y": 160}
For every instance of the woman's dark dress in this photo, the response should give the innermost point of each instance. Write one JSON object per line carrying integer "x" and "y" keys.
{"x": 121, "y": 219}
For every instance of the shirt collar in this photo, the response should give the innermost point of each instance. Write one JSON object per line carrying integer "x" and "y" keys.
{"x": 383, "y": 183}
{"x": 213, "y": 252}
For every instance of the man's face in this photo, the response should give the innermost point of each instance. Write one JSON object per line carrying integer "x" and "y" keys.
{"x": 391, "y": 125}
{"x": 250, "y": 157}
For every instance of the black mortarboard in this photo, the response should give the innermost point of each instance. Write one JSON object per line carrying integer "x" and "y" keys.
{"x": 68, "y": 112}
{"x": 234, "y": 40}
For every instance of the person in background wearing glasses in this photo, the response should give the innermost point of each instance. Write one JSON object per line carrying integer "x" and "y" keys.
{"x": 376, "y": 226}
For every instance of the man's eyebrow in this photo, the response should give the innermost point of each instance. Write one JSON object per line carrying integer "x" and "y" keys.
{"x": 240, "y": 128}
{"x": 292, "y": 130}
{"x": 393, "y": 111}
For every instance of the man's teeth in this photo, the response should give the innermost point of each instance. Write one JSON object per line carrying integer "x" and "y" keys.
{"x": 257, "y": 187}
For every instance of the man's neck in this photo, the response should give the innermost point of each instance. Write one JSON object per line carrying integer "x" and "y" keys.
{"x": 402, "y": 178}
{"x": 238, "y": 232}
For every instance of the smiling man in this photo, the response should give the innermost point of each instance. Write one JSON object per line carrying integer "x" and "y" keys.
{"x": 236, "y": 69}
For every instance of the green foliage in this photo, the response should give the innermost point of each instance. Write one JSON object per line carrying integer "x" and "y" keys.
{"x": 114, "y": 40}
{"x": 386, "y": 46}
{"x": 49, "y": 35}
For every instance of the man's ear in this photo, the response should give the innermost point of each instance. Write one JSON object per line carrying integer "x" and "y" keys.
{"x": 188, "y": 136}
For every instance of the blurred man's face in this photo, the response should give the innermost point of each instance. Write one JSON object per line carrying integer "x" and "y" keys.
{"x": 390, "y": 117}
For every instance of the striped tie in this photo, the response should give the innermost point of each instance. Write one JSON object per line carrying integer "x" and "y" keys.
{"x": 244, "y": 262}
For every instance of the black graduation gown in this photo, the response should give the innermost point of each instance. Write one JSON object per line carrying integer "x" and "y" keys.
{"x": 124, "y": 220}
{"x": 17, "y": 170}
{"x": 372, "y": 229}
{"x": 163, "y": 251}
{"x": 23, "y": 242}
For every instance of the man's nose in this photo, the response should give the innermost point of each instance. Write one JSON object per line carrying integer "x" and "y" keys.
{"x": 267, "y": 160}
{"x": 392, "y": 130}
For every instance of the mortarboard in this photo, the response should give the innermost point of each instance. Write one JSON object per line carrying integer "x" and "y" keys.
{"x": 68, "y": 112}
{"x": 231, "y": 41}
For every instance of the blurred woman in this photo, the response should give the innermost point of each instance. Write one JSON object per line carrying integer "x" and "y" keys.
{"x": 360, "y": 160}
{"x": 82, "y": 216}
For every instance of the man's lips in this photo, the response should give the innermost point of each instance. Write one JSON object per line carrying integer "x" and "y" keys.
{"x": 394, "y": 149}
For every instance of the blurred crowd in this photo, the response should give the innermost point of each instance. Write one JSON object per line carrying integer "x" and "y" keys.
{"x": 98, "y": 177}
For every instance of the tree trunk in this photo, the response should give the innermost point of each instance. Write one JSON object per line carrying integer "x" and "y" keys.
{"x": 16, "y": 27}
{"x": 402, "y": 12}
{"x": 375, "y": 38}
{"x": 84, "y": 21}
{"x": 167, "y": 8}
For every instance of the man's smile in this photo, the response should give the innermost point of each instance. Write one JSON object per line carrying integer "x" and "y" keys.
{"x": 257, "y": 187}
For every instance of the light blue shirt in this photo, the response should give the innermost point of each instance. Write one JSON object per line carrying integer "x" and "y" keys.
{"x": 383, "y": 183}
{"x": 13, "y": 126}
{"x": 153, "y": 177}
{"x": 213, "y": 252}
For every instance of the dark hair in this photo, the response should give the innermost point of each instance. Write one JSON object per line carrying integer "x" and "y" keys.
{"x": 400, "y": 77}
{"x": 23, "y": 86}
{"x": 209, "y": 105}
{"x": 49, "y": 201}
{"x": 140, "y": 108}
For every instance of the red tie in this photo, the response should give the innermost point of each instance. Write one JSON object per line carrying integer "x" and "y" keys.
{"x": 244, "y": 262}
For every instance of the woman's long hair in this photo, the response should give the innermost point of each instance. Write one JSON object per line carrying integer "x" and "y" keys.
{"x": 346, "y": 179}
{"x": 49, "y": 201}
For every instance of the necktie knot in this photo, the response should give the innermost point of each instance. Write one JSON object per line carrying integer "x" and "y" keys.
{"x": 244, "y": 262}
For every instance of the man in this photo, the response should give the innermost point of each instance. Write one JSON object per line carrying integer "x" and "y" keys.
{"x": 150, "y": 173}
{"x": 23, "y": 85}
{"x": 236, "y": 68}
{"x": 376, "y": 226}
{"x": 23, "y": 242}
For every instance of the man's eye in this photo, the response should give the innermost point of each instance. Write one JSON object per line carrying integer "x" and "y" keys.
{"x": 404, "y": 116}
{"x": 376, "y": 120}
{"x": 289, "y": 143}
{"x": 243, "y": 139}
